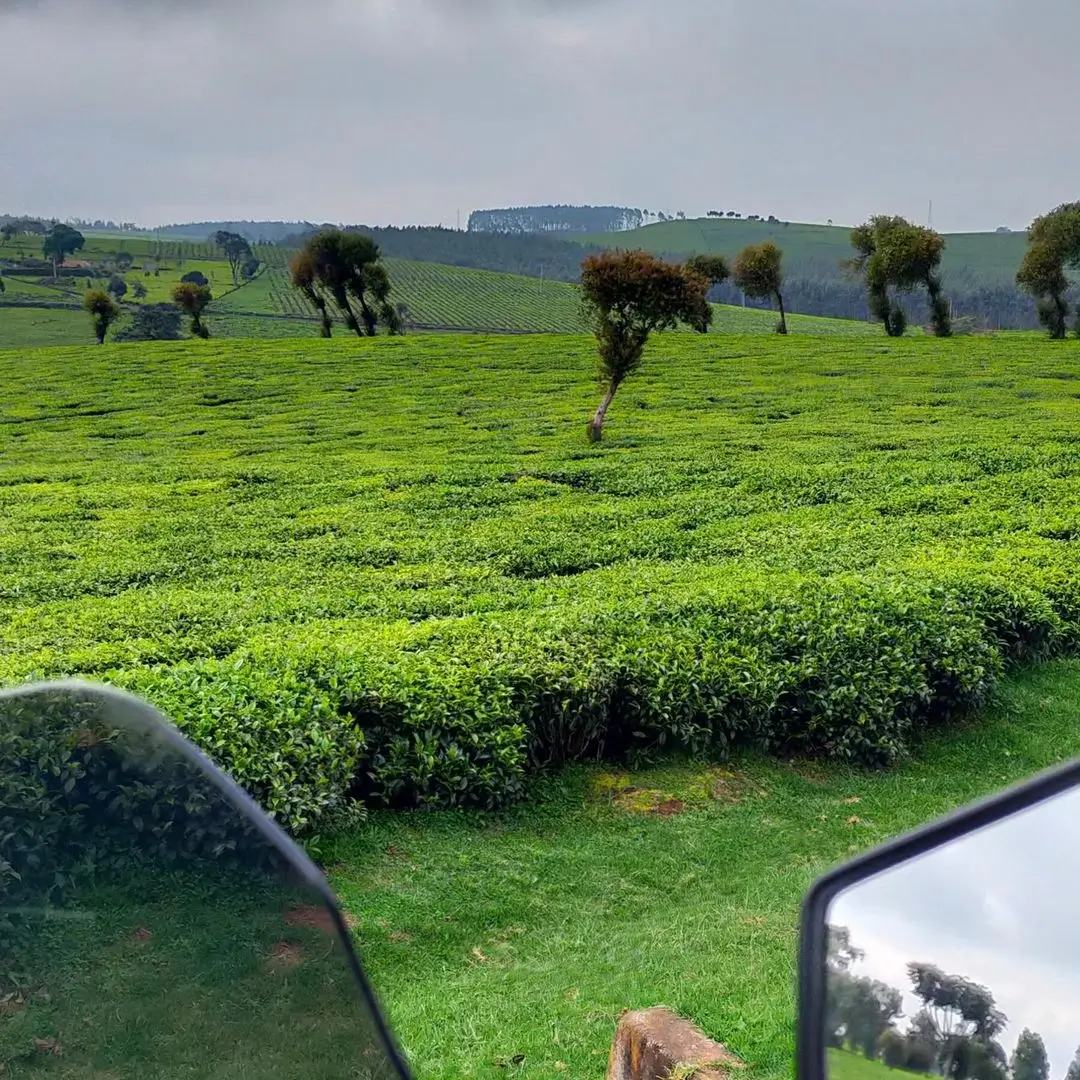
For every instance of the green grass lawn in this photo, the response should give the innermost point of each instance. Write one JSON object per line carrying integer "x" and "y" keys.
{"x": 844, "y": 1065}
{"x": 173, "y": 975}
{"x": 528, "y": 932}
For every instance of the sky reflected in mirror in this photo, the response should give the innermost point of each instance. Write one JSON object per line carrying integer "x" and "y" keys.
{"x": 998, "y": 907}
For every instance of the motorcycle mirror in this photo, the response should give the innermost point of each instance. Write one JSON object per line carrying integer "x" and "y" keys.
{"x": 946, "y": 950}
{"x": 153, "y": 920}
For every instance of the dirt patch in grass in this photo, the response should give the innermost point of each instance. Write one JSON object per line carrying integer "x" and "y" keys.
{"x": 284, "y": 955}
{"x": 317, "y": 918}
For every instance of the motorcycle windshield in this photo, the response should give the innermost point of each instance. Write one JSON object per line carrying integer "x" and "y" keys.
{"x": 153, "y": 922}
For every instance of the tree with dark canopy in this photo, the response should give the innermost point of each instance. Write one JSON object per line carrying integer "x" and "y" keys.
{"x": 1054, "y": 246}
{"x": 628, "y": 295}
{"x": 60, "y": 242}
{"x": 758, "y": 273}
{"x": 957, "y": 1012}
{"x": 193, "y": 299}
{"x": 346, "y": 268}
{"x": 891, "y": 252}
{"x": 103, "y": 311}
{"x": 713, "y": 268}
{"x": 195, "y": 277}
{"x": 117, "y": 287}
{"x": 152, "y": 322}
{"x": 237, "y": 250}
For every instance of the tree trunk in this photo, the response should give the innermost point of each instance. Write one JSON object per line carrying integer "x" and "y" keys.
{"x": 782, "y": 328}
{"x": 596, "y": 425}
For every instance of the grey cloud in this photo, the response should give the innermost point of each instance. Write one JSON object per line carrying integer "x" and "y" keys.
{"x": 409, "y": 110}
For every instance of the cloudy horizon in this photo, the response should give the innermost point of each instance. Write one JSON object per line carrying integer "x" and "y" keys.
{"x": 413, "y": 111}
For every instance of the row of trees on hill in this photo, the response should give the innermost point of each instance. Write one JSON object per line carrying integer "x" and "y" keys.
{"x": 954, "y": 1034}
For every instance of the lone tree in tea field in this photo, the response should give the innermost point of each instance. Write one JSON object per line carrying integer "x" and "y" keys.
{"x": 237, "y": 250}
{"x": 628, "y": 295}
{"x": 1053, "y": 246}
{"x": 346, "y": 268}
{"x": 60, "y": 242}
{"x": 892, "y": 253}
{"x": 103, "y": 311}
{"x": 192, "y": 300}
{"x": 758, "y": 273}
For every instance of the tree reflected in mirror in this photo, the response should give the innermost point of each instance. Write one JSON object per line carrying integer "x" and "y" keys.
{"x": 963, "y": 962}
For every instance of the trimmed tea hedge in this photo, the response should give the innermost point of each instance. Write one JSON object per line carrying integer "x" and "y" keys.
{"x": 392, "y": 571}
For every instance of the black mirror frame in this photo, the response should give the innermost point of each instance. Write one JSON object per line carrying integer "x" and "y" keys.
{"x": 297, "y": 859}
{"x": 809, "y": 1041}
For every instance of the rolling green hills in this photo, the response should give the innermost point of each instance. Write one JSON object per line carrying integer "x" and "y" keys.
{"x": 435, "y": 296}
{"x": 816, "y": 250}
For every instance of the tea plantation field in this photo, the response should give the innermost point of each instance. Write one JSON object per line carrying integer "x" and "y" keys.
{"x": 395, "y": 566}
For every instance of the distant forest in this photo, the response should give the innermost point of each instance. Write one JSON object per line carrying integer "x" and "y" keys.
{"x": 556, "y": 219}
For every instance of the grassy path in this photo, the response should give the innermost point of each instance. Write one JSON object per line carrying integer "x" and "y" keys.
{"x": 528, "y": 932}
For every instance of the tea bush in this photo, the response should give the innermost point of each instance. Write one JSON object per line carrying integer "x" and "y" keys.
{"x": 392, "y": 570}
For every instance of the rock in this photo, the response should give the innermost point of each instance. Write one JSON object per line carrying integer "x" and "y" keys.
{"x": 656, "y": 1044}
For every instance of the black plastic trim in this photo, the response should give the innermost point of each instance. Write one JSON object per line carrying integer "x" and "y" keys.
{"x": 809, "y": 1041}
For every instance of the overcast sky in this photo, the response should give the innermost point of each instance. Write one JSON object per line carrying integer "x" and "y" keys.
{"x": 999, "y": 907}
{"x": 407, "y": 111}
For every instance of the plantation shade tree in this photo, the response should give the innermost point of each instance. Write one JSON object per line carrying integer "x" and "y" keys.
{"x": 892, "y": 253}
{"x": 103, "y": 311}
{"x": 346, "y": 267}
{"x": 193, "y": 300}
{"x": 60, "y": 242}
{"x": 626, "y": 296}
{"x": 1054, "y": 247}
{"x": 759, "y": 274}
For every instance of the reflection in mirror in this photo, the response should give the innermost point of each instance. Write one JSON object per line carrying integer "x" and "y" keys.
{"x": 963, "y": 962}
{"x": 147, "y": 928}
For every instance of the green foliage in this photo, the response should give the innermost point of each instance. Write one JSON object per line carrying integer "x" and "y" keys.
{"x": 345, "y": 268}
{"x": 60, "y": 242}
{"x": 236, "y": 249}
{"x": 193, "y": 300}
{"x": 758, "y": 273}
{"x": 1029, "y": 1060}
{"x": 627, "y": 296}
{"x": 1054, "y": 245}
{"x": 194, "y": 277}
{"x": 892, "y": 253}
{"x": 117, "y": 287}
{"x": 801, "y": 548}
{"x": 713, "y": 268}
{"x": 152, "y": 322}
{"x": 103, "y": 311}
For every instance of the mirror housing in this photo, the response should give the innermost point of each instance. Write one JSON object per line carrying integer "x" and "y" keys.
{"x": 975, "y": 819}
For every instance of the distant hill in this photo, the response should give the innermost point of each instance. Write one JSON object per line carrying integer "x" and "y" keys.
{"x": 979, "y": 268}
{"x": 35, "y": 311}
{"x": 816, "y": 250}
